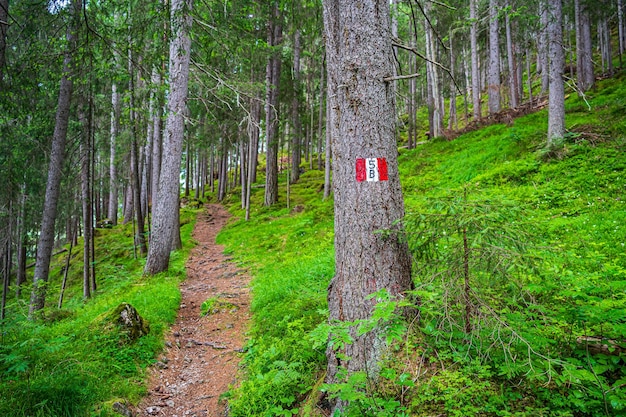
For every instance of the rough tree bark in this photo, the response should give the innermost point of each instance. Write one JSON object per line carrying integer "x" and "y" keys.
{"x": 4, "y": 24}
{"x": 296, "y": 143}
{"x": 474, "y": 54}
{"x": 156, "y": 137}
{"x": 85, "y": 176}
{"x": 543, "y": 46}
{"x": 115, "y": 124}
{"x": 493, "y": 77}
{"x": 274, "y": 38}
{"x": 512, "y": 60}
{"x": 359, "y": 54}
{"x": 556, "y": 98}
{"x": 164, "y": 219}
{"x": 55, "y": 167}
{"x": 584, "y": 52}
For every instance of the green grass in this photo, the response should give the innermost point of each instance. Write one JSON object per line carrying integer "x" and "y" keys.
{"x": 75, "y": 366}
{"x": 290, "y": 254}
{"x": 567, "y": 211}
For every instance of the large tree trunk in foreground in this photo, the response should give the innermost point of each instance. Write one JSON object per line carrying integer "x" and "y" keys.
{"x": 359, "y": 53}
{"x": 53, "y": 185}
{"x": 164, "y": 219}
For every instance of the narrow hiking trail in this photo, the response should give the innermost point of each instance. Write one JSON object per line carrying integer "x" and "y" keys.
{"x": 202, "y": 352}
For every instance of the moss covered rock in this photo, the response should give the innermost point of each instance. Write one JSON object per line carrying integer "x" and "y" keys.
{"x": 127, "y": 319}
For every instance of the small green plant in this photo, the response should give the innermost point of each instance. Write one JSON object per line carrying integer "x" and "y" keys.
{"x": 215, "y": 305}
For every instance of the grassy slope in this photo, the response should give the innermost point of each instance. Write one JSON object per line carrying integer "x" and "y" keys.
{"x": 570, "y": 206}
{"x": 69, "y": 366}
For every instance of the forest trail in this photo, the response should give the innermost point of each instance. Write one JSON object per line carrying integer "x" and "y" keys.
{"x": 202, "y": 352}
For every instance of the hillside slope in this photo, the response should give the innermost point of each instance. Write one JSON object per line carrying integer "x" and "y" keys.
{"x": 520, "y": 272}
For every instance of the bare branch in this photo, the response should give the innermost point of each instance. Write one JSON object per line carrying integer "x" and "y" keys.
{"x": 401, "y": 77}
{"x": 396, "y": 42}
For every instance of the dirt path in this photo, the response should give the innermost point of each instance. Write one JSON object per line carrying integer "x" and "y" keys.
{"x": 202, "y": 353}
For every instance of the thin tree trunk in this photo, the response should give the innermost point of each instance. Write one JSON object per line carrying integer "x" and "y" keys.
{"x": 4, "y": 25}
{"x": 86, "y": 203}
{"x": 620, "y": 29}
{"x": 556, "y": 106}
{"x": 296, "y": 143}
{"x": 530, "y": 76}
{"x": 7, "y": 260}
{"x": 511, "y": 58}
{"x": 255, "y": 114}
{"x": 320, "y": 114}
{"x": 493, "y": 78}
{"x": 156, "y": 136}
{"x": 328, "y": 156}
{"x": 21, "y": 244}
{"x": 544, "y": 46}
{"x": 474, "y": 55}
{"x": 66, "y": 272}
{"x": 57, "y": 156}
{"x": 452, "y": 122}
{"x": 113, "y": 186}
{"x": 136, "y": 190}
{"x": 164, "y": 219}
{"x": 129, "y": 207}
{"x": 275, "y": 36}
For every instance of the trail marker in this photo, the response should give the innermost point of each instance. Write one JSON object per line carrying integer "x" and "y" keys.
{"x": 371, "y": 169}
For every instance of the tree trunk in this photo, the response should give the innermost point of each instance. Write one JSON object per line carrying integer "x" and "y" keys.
{"x": 274, "y": 37}
{"x": 511, "y": 58}
{"x": 452, "y": 122}
{"x": 21, "y": 244}
{"x": 187, "y": 167}
{"x": 493, "y": 78}
{"x": 55, "y": 168}
{"x": 556, "y": 106}
{"x": 584, "y": 63}
{"x": 604, "y": 38}
{"x": 164, "y": 219}
{"x": 85, "y": 175}
{"x": 474, "y": 54}
{"x": 296, "y": 143}
{"x": 359, "y": 53}
{"x": 328, "y": 154}
{"x": 620, "y": 29}
{"x": 320, "y": 114}
{"x": 156, "y": 136}
{"x": 434, "y": 103}
{"x": 129, "y": 207}
{"x": 7, "y": 258}
{"x": 140, "y": 239}
{"x": 544, "y": 45}
{"x": 115, "y": 123}
{"x": 4, "y": 24}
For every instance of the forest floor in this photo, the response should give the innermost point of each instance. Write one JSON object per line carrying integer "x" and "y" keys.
{"x": 202, "y": 352}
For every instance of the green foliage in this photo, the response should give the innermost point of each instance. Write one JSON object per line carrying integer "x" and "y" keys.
{"x": 290, "y": 255}
{"x": 363, "y": 393}
{"x": 69, "y": 366}
{"x": 545, "y": 262}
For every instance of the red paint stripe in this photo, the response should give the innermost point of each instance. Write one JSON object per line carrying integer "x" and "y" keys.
{"x": 382, "y": 170}
{"x": 360, "y": 170}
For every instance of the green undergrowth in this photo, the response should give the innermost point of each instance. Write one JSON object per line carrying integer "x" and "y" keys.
{"x": 289, "y": 252}
{"x": 68, "y": 364}
{"x": 540, "y": 329}
{"x": 520, "y": 270}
